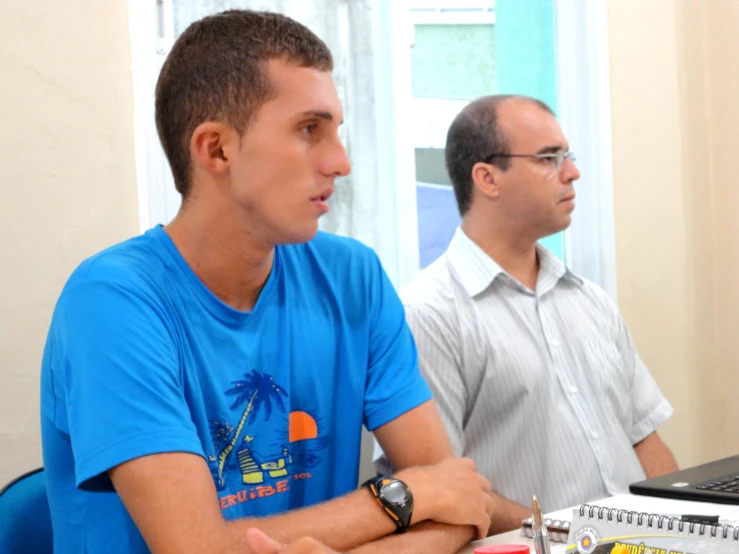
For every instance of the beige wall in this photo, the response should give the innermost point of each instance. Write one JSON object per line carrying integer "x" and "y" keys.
{"x": 68, "y": 183}
{"x": 723, "y": 160}
{"x": 674, "y": 84}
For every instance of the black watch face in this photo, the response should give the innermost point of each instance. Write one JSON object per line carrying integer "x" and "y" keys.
{"x": 394, "y": 492}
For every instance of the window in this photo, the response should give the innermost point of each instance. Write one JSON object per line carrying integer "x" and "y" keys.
{"x": 399, "y": 101}
{"x": 554, "y": 50}
{"x": 452, "y": 62}
{"x": 462, "y": 52}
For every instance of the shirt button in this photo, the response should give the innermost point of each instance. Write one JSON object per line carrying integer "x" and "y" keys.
{"x": 594, "y": 434}
{"x": 554, "y": 343}
{"x": 573, "y": 389}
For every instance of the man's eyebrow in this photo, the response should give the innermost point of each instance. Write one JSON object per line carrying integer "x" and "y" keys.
{"x": 553, "y": 149}
{"x": 320, "y": 114}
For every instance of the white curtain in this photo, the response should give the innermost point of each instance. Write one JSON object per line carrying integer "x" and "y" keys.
{"x": 584, "y": 108}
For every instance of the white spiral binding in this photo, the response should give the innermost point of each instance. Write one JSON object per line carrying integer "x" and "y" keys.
{"x": 726, "y": 532}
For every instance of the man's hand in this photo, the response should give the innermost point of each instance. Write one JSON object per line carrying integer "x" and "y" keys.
{"x": 450, "y": 492}
{"x": 259, "y": 543}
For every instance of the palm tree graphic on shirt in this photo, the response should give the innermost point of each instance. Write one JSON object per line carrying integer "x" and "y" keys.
{"x": 259, "y": 391}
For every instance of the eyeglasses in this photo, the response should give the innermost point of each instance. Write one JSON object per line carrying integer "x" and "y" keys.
{"x": 557, "y": 158}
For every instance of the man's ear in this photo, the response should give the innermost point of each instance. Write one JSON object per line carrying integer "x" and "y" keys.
{"x": 485, "y": 178}
{"x": 211, "y": 146}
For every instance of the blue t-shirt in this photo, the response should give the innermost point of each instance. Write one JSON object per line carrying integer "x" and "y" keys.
{"x": 142, "y": 358}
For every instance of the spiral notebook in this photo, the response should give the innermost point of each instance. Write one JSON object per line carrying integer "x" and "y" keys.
{"x": 601, "y": 530}
{"x": 559, "y": 523}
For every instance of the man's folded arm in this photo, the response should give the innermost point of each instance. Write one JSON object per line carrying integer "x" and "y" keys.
{"x": 173, "y": 501}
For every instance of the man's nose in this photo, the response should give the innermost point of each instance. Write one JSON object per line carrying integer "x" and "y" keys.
{"x": 337, "y": 163}
{"x": 569, "y": 172}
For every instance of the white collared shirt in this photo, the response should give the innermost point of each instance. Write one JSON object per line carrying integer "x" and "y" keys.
{"x": 543, "y": 389}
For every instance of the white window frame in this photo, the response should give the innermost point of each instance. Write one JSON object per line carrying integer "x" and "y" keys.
{"x": 452, "y": 12}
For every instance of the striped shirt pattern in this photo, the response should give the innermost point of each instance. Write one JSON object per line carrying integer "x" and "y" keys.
{"x": 543, "y": 389}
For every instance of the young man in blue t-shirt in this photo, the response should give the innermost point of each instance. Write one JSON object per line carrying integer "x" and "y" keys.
{"x": 212, "y": 375}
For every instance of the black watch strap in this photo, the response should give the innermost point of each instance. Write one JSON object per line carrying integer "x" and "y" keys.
{"x": 400, "y": 512}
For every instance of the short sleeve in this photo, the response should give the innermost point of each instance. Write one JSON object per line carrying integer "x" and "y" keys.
{"x": 650, "y": 409}
{"x": 117, "y": 387}
{"x": 394, "y": 382}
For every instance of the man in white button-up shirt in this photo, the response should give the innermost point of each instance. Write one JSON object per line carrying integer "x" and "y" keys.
{"x": 532, "y": 367}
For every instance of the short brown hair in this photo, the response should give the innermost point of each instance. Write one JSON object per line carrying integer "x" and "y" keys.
{"x": 216, "y": 71}
{"x": 472, "y": 137}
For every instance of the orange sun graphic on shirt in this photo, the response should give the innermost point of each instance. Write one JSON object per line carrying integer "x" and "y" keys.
{"x": 302, "y": 427}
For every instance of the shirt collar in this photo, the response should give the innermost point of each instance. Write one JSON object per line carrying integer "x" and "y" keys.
{"x": 476, "y": 270}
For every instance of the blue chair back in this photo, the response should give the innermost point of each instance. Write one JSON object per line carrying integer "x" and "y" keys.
{"x": 25, "y": 520}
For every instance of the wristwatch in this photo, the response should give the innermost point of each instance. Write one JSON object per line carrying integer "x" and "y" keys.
{"x": 394, "y": 497}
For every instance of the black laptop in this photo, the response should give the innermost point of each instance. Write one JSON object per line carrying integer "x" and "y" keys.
{"x": 712, "y": 482}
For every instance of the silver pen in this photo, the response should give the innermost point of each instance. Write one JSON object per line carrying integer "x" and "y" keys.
{"x": 541, "y": 537}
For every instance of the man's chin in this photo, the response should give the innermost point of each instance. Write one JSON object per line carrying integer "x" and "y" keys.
{"x": 562, "y": 225}
{"x": 299, "y": 236}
